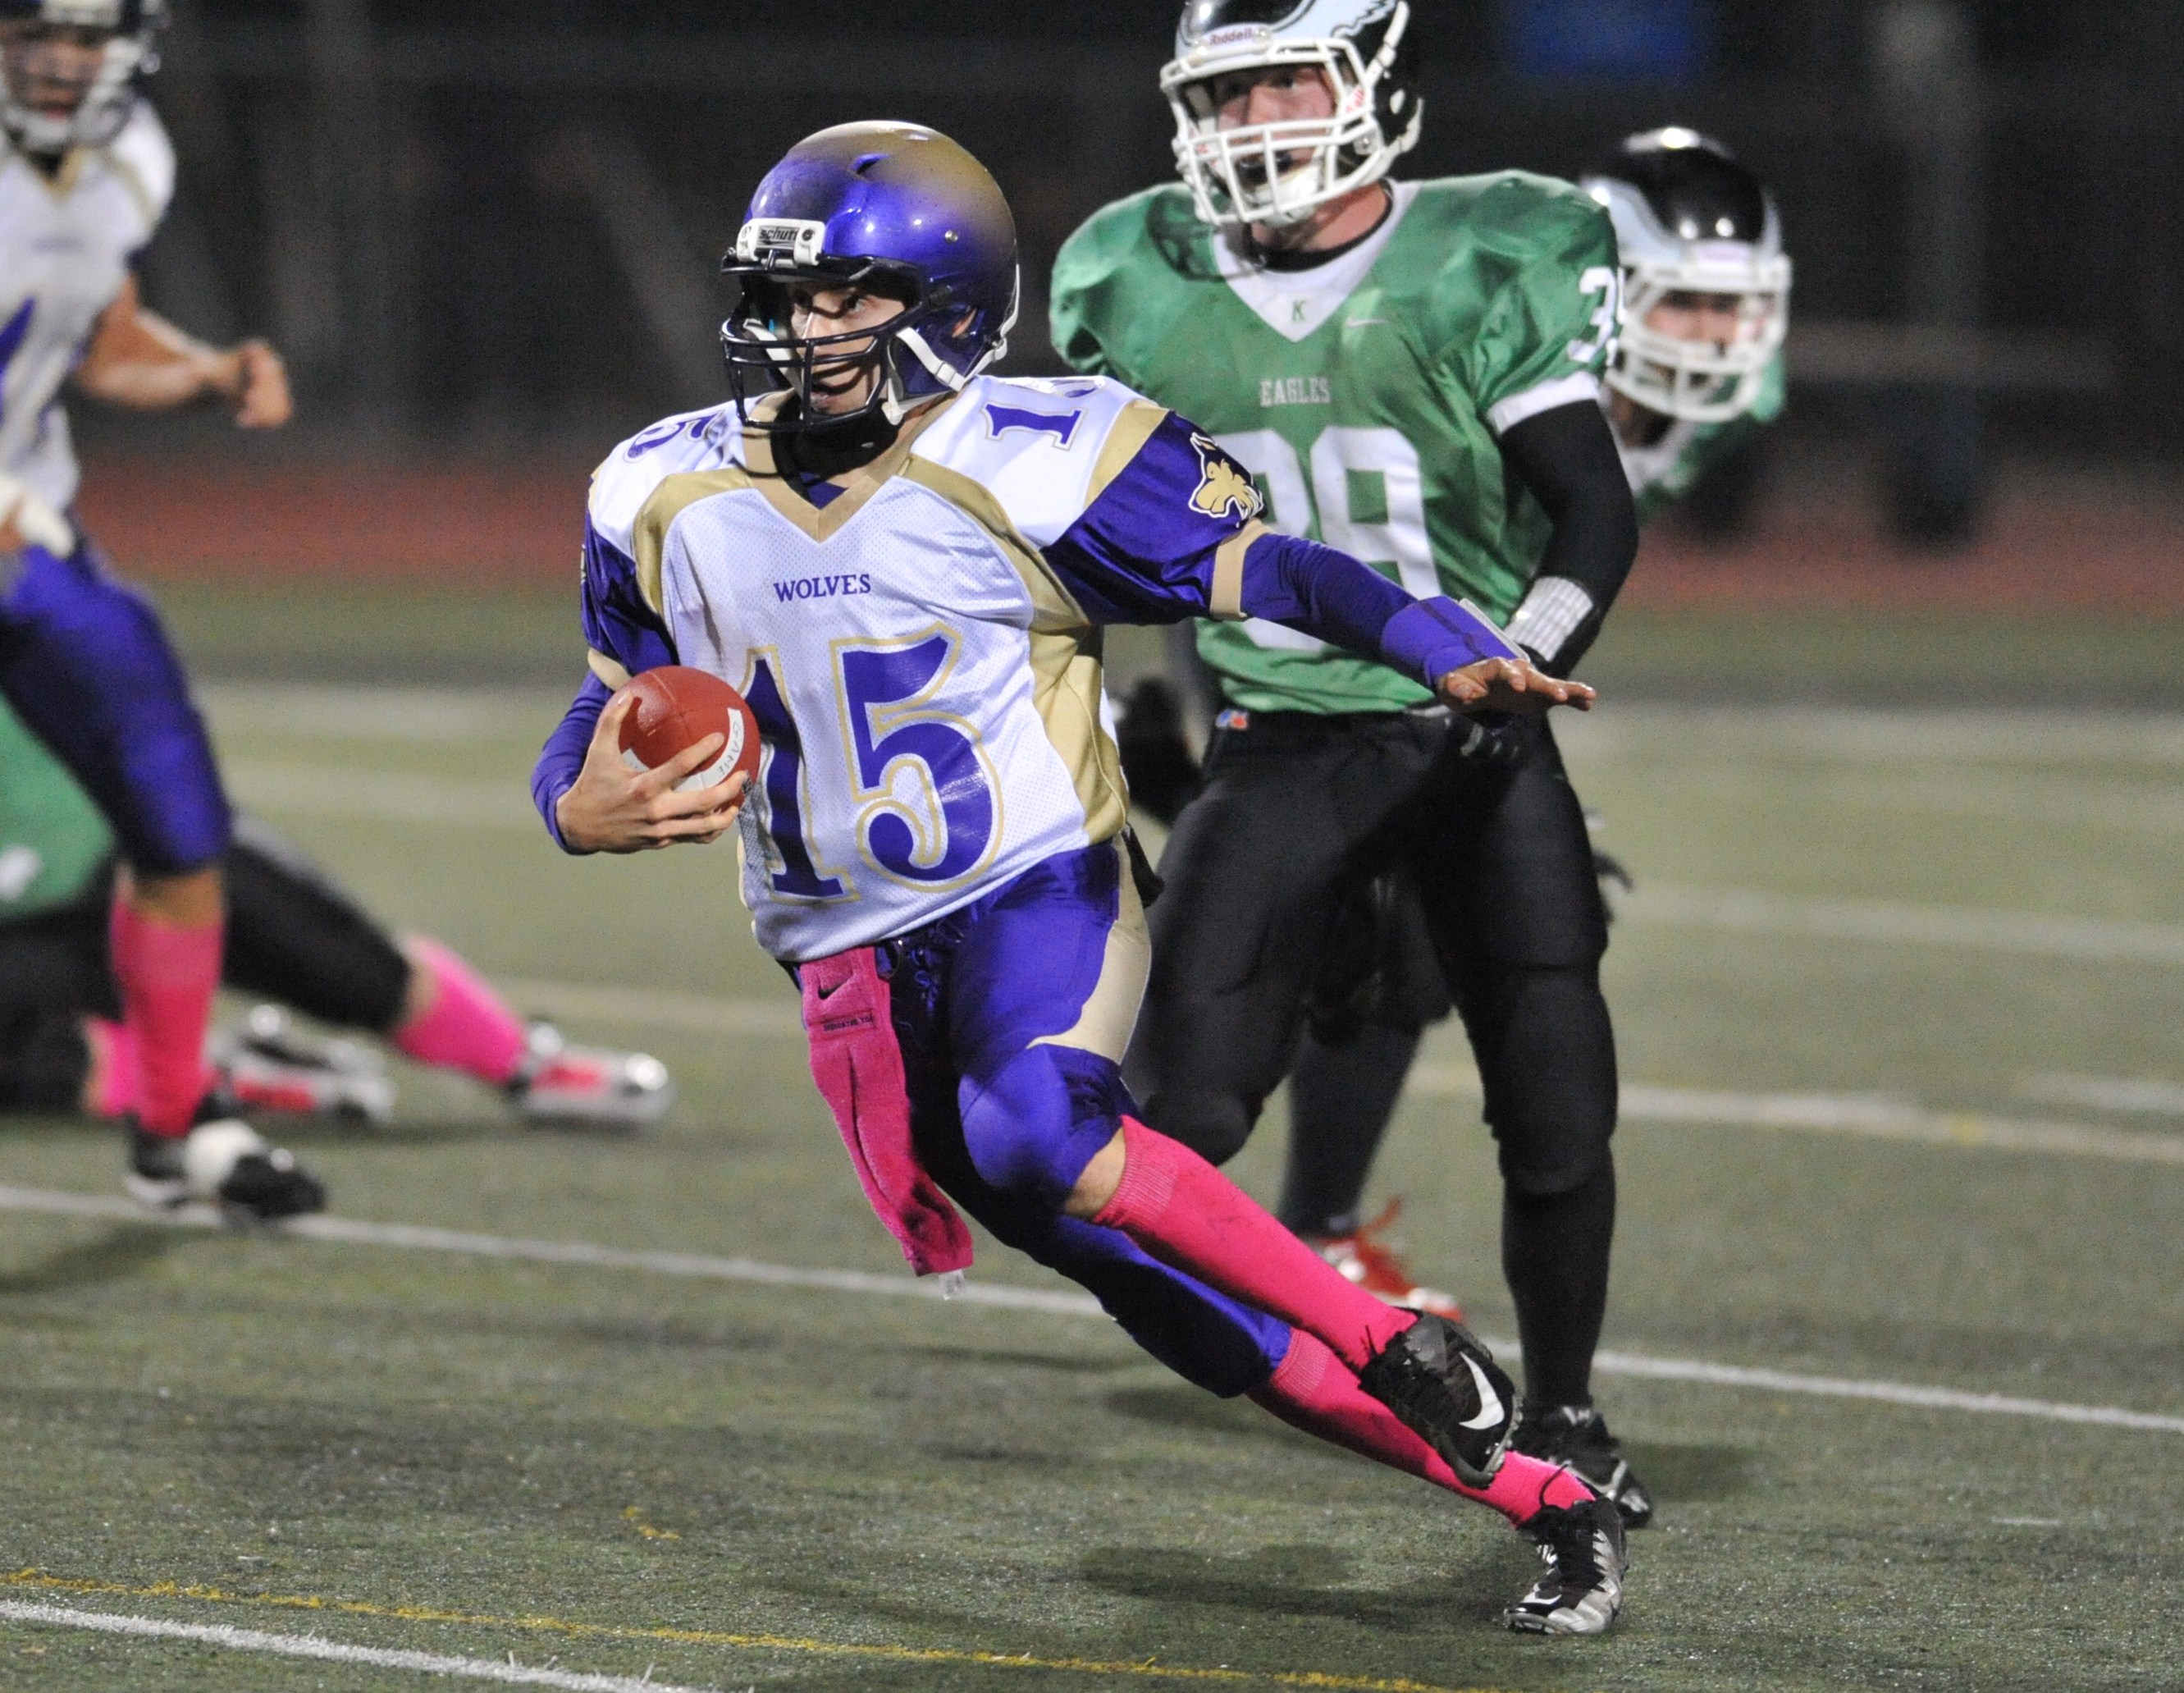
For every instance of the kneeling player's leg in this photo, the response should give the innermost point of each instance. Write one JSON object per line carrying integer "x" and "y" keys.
{"x": 86, "y": 666}
{"x": 296, "y": 937}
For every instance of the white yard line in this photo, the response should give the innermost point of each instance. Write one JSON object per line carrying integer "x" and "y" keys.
{"x": 507, "y": 1671}
{"x": 2107, "y": 1093}
{"x": 1851, "y": 1114}
{"x": 404, "y": 1237}
{"x": 1841, "y": 1113}
{"x": 2033, "y": 934}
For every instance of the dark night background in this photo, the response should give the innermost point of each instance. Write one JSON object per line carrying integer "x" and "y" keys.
{"x": 494, "y": 223}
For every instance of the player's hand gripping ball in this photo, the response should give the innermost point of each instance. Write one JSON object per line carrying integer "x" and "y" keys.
{"x": 675, "y": 707}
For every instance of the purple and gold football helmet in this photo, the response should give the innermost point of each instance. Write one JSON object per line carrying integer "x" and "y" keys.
{"x": 894, "y": 207}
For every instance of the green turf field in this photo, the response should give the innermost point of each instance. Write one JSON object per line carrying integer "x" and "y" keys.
{"x": 737, "y": 1485}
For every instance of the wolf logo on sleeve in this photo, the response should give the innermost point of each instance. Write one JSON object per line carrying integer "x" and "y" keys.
{"x": 1225, "y": 490}
{"x": 934, "y": 843}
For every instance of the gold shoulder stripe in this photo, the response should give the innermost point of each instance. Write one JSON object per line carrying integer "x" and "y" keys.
{"x": 1226, "y": 604}
{"x": 674, "y": 496}
{"x": 1124, "y": 442}
{"x": 1054, "y": 608}
{"x": 606, "y": 669}
{"x": 133, "y": 180}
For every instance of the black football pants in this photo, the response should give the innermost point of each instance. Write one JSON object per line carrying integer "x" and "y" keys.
{"x": 1299, "y": 814}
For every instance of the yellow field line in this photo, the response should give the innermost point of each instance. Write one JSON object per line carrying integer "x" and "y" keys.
{"x": 1148, "y": 1669}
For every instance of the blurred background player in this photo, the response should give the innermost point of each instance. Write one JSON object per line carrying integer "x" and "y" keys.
{"x": 938, "y": 850}
{"x": 86, "y": 176}
{"x": 1413, "y": 370}
{"x": 1698, "y": 369}
{"x": 294, "y": 936}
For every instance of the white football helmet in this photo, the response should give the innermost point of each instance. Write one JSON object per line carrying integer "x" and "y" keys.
{"x": 1690, "y": 219}
{"x": 1276, "y": 173}
{"x": 131, "y": 50}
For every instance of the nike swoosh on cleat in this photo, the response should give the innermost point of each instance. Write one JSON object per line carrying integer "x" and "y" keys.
{"x": 1490, "y": 1408}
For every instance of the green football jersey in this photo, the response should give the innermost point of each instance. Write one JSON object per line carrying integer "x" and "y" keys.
{"x": 52, "y": 839}
{"x": 1365, "y": 395}
{"x": 1664, "y": 471}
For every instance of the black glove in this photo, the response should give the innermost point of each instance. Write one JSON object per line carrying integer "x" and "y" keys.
{"x": 1496, "y": 738}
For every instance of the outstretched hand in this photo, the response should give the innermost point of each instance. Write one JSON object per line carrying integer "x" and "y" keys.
{"x": 1511, "y": 685}
{"x": 611, "y": 807}
{"x": 260, "y": 387}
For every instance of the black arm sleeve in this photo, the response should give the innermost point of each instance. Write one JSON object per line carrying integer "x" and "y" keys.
{"x": 1568, "y": 459}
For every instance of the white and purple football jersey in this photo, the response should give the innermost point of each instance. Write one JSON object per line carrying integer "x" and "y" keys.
{"x": 921, "y": 642}
{"x": 66, "y": 245}
{"x": 928, "y": 688}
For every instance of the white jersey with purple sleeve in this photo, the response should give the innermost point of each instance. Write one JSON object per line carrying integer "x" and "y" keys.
{"x": 67, "y": 242}
{"x": 921, "y": 644}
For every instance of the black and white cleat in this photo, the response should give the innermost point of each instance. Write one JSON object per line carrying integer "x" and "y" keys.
{"x": 1581, "y": 1588}
{"x": 1576, "y": 1437}
{"x": 224, "y": 1163}
{"x": 1447, "y": 1389}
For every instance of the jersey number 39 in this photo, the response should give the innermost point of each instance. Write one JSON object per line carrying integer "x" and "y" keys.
{"x": 1367, "y": 492}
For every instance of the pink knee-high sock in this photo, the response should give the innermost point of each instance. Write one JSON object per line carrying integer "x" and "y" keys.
{"x": 110, "y": 1089}
{"x": 465, "y": 1026}
{"x": 167, "y": 973}
{"x": 1311, "y": 1390}
{"x": 1182, "y": 1211}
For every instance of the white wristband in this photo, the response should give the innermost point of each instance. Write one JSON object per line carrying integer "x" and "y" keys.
{"x": 1551, "y": 613}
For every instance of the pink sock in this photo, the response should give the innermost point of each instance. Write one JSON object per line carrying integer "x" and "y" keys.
{"x": 111, "y": 1086}
{"x": 167, "y": 975}
{"x": 1182, "y": 1211}
{"x": 1312, "y": 1391}
{"x": 465, "y": 1026}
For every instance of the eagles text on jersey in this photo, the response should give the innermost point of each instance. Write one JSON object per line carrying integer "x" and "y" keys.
{"x": 1365, "y": 395}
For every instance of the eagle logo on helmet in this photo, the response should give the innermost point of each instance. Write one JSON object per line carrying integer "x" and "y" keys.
{"x": 1225, "y": 490}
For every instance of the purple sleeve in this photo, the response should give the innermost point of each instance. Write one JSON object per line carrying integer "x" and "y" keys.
{"x": 618, "y": 624}
{"x": 616, "y": 620}
{"x": 1148, "y": 550}
{"x": 1330, "y": 594}
{"x": 1144, "y": 551}
{"x": 563, "y": 756}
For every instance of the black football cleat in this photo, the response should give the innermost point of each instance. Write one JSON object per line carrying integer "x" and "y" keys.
{"x": 1446, "y": 1388}
{"x": 224, "y": 1162}
{"x": 1581, "y": 1589}
{"x": 1576, "y": 1437}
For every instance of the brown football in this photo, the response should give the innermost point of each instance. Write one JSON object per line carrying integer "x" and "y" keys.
{"x": 677, "y": 707}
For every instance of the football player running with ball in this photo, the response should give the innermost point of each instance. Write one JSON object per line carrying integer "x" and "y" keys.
{"x": 86, "y": 175}
{"x": 905, "y": 564}
{"x": 1413, "y": 370}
